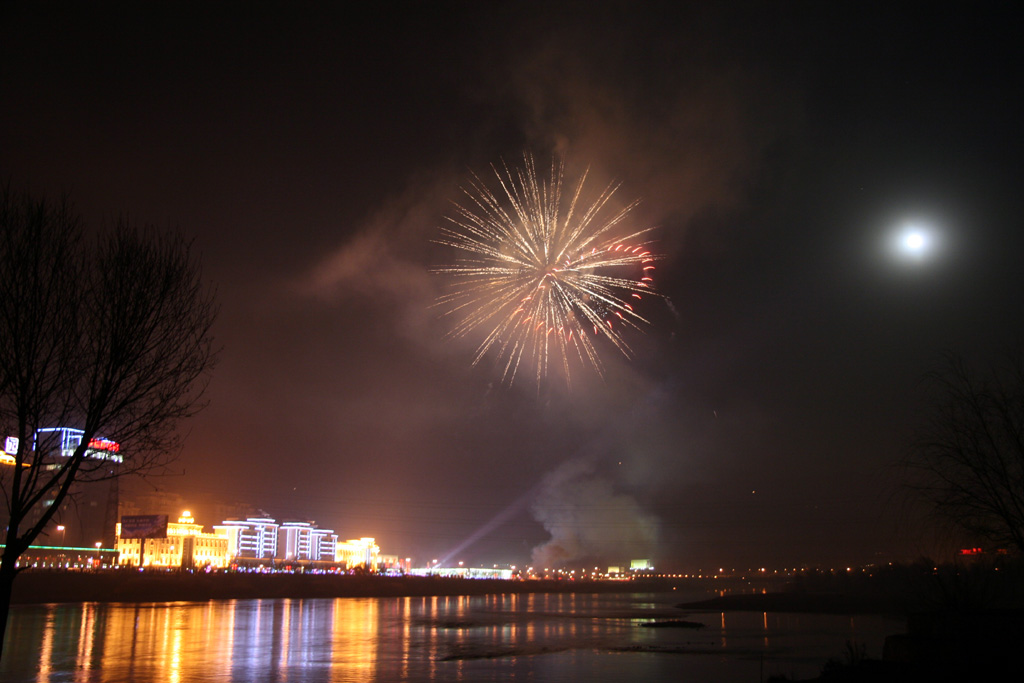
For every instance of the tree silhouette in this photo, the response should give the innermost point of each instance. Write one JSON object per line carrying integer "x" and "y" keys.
{"x": 968, "y": 462}
{"x": 111, "y": 336}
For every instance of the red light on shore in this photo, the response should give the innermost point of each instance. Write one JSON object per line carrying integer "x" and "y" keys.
{"x": 971, "y": 551}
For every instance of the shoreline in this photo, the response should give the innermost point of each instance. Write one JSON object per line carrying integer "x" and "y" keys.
{"x": 46, "y": 586}
{"x": 132, "y": 586}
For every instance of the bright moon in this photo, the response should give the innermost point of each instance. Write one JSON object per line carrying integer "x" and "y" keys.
{"x": 914, "y": 242}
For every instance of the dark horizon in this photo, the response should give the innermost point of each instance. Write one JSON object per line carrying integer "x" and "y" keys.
{"x": 777, "y": 151}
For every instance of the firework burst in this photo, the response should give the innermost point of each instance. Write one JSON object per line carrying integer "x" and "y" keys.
{"x": 541, "y": 274}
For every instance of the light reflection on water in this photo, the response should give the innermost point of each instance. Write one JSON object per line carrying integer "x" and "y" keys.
{"x": 535, "y": 637}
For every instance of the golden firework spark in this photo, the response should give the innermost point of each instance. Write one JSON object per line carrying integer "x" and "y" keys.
{"x": 543, "y": 275}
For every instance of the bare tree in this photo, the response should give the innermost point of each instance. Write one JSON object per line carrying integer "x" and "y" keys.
{"x": 111, "y": 336}
{"x": 968, "y": 462}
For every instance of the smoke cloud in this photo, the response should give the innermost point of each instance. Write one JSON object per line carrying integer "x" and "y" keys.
{"x": 589, "y": 520}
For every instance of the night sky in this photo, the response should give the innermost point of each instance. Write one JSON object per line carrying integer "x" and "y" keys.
{"x": 777, "y": 148}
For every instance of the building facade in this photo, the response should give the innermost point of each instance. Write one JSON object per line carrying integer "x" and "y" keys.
{"x": 358, "y": 553}
{"x": 88, "y": 515}
{"x": 255, "y": 541}
{"x": 186, "y": 546}
{"x": 305, "y": 542}
{"x": 254, "y": 538}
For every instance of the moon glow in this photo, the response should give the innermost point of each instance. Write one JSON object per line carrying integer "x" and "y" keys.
{"x": 914, "y": 243}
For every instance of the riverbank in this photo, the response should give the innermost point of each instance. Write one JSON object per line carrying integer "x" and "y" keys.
{"x": 127, "y": 585}
{"x": 895, "y": 591}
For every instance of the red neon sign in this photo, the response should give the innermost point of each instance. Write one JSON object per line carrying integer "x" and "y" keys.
{"x": 104, "y": 445}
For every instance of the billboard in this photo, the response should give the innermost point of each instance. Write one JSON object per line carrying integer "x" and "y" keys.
{"x": 144, "y": 526}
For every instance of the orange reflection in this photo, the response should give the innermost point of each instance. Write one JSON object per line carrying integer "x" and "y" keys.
{"x": 46, "y": 651}
{"x": 354, "y": 638}
{"x": 286, "y": 634}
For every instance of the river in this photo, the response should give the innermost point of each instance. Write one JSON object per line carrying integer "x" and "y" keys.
{"x": 527, "y": 637}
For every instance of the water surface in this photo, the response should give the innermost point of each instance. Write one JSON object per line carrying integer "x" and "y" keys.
{"x": 537, "y": 638}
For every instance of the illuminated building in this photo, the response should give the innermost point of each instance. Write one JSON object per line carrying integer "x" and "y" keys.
{"x": 59, "y": 557}
{"x": 353, "y": 553}
{"x": 254, "y": 538}
{"x": 393, "y": 564}
{"x": 324, "y": 545}
{"x": 10, "y": 450}
{"x": 186, "y": 545}
{"x": 303, "y": 541}
{"x": 262, "y": 538}
{"x": 463, "y": 572}
{"x": 88, "y": 514}
{"x": 63, "y": 441}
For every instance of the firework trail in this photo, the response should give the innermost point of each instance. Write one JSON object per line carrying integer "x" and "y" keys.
{"x": 542, "y": 274}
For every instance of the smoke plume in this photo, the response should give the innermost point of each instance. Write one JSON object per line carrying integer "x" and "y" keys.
{"x": 589, "y": 520}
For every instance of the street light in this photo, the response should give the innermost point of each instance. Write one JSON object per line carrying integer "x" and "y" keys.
{"x": 63, "y": 543}
{"x": 99, "y": 544}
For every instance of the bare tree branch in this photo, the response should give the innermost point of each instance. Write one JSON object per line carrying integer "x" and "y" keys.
{"x": 968, "y": 462}
{"x": 111, "y": 336}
